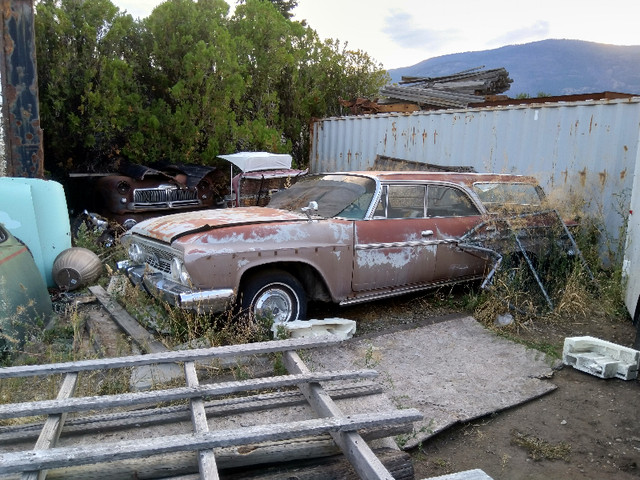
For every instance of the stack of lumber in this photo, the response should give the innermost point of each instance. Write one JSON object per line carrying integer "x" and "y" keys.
{"x": 452, "y": 91}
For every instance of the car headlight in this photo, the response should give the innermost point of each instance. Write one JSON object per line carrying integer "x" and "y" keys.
{"x": 129, "y": 223}
{"x": 179, "y": 272}
{"x": 123, "y": 188}
{"x": 136, "y": 253}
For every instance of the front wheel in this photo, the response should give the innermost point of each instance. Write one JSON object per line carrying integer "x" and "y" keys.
{"x": 275, "y": 294}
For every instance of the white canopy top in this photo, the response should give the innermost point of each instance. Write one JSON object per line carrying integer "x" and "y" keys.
{"x": 252, "y": 161}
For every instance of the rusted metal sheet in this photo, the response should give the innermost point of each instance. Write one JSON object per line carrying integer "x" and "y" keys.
{"x": 582, "y": 152}
{"x": 20, "y": 110}
{"x": 23, "y": 293}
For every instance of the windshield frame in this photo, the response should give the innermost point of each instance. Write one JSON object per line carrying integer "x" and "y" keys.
{"x": 367, "y": 213}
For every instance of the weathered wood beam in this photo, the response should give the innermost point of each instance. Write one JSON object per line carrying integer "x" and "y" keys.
{"x": 362, "y": 458}
{"x": 206, "y": 459}
{"x": 53, "y": 426}
{"x": 138, "y": 334}
{"x": 198, "y": 354}
{"x": 13, "y": 434}
{"x": 46, "y": 407}
{"x": 16, "y": 462}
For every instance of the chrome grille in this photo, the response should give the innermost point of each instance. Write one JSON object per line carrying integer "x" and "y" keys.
{"x": 164, "y": 197}
{"x": 158, "y": 256}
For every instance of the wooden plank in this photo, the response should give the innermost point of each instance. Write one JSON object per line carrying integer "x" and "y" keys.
{"x": 53, "y": 426}
{"x": 140, "y": 335}
{"x": 13, "y": 434}
{"x": 398, "y": 107}
{"x": 47, "y": 407}
{"x": 397, "y": 462}
{"x": 194, "y": 355}
{"x": 362, "y": 458}
{"x": 206, "y": 459}
{"x": 242, "y": 457}
{"x": 16, "y": 462}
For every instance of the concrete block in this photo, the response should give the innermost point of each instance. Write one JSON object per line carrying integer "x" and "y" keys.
{"x": 341, "y": 327}
{"x": 601, "y": 358}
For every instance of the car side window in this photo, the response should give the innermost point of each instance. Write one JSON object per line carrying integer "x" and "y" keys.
{"x": 443, "y": 201}
{"x": 406, "y": 201}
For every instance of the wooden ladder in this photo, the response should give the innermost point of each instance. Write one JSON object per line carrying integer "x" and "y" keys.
{"x": 47, "y": 456}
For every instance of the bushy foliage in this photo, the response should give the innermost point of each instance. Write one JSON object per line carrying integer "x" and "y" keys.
{"x": 187, "y": 83}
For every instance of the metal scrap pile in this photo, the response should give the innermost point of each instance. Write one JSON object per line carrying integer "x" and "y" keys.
{"x": 453, "y": 91}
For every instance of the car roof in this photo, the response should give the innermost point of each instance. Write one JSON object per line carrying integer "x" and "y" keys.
{"x": 462, "y": 178}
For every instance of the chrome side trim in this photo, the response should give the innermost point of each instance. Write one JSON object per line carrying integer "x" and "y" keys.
{"x": 413, "y": 243}
{"x": 369, "y": 296}
{"x": 176, "y": 294}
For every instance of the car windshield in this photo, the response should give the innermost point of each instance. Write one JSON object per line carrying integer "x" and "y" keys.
{"x": 498, "y": 196}
{"x": 346, "y": 196}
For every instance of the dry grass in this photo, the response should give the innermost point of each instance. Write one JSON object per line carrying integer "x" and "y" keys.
{"x": 539, "y": 449}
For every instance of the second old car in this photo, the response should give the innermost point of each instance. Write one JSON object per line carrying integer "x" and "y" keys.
{"x": 342, "y": 238}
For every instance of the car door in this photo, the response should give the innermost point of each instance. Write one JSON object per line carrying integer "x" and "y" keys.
{"x": 397, "y": 247}
{"x": 453, "y": 213}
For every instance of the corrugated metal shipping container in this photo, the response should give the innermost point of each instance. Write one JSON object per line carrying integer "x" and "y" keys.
{"x": 631, "y": 265}
{"x": 579, "y": 151}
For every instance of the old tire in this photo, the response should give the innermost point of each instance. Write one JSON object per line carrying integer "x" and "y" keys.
{"x": 275, "y": 294}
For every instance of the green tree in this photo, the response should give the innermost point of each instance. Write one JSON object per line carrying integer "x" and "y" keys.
{"x": 293, "y": 77}
{"x": 187, "y": 83}
{"x": 88, "y": 92}
{"x": 283, "y": 6}
{"x": 193, "y": 77}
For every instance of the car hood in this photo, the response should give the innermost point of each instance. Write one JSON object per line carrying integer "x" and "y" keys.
{"x": 170, "y": 227}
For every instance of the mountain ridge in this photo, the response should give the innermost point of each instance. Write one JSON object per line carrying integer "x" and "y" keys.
{"x": 553, "y": 67}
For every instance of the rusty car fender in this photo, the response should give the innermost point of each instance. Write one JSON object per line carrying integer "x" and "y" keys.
{"x": 296, "y": 247}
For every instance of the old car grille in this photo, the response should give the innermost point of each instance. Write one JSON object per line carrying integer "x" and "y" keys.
{"x": 158, "y": 256}
{"x": 166, "y": 197}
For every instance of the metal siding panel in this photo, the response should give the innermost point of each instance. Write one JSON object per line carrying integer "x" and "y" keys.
{"x": 585, "y": 149}
{"x": 631, "y": 265}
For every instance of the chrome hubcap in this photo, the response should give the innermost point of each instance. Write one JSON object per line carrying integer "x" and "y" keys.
{"x": 276, "y": 303}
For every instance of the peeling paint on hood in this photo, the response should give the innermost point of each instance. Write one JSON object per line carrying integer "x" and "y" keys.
{"x": 170, "y": 227}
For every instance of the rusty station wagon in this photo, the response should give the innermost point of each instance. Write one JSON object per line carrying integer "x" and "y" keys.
{"x": 340, "y": 237}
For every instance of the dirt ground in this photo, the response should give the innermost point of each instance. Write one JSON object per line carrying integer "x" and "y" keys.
{"x": 587, "y": 428}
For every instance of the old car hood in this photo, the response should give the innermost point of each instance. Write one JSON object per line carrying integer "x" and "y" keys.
{"x": 171, "y": 227}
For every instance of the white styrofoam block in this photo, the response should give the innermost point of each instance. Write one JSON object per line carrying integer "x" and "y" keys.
{"x": 601, "y": 358}
{"x": 314, "y": 328}
{"x": 476, "y": 474}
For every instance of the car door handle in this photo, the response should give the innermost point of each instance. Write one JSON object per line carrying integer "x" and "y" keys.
{"x": 426, "y": 233}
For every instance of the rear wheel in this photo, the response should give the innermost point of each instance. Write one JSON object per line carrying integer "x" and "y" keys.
{"x": 275, "y": 294}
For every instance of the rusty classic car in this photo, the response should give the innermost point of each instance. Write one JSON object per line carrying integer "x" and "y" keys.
{"x": 136, "y": 192}
{"x": 342, "y": 238}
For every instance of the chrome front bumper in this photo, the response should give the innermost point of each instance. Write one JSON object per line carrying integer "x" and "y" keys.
{"x": 202, "y": 301}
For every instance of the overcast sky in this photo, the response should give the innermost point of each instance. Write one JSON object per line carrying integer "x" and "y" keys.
{"x": 401, "y": 33}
